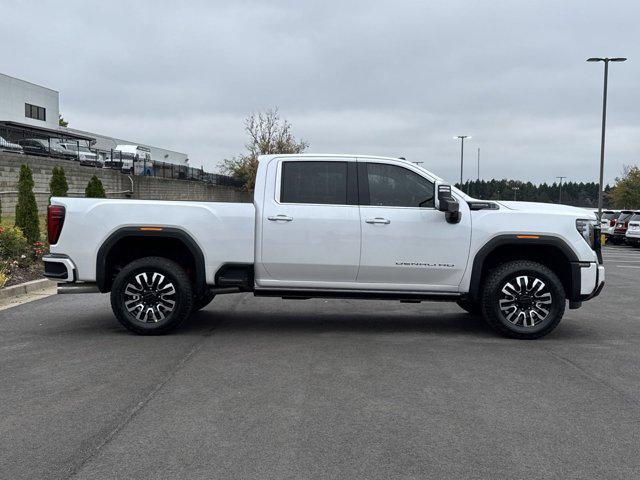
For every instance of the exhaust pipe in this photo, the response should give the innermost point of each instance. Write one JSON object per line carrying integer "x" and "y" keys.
{"x": 67, "y": 288}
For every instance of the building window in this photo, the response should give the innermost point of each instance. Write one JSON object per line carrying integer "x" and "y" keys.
{"x": 33, "y": 111}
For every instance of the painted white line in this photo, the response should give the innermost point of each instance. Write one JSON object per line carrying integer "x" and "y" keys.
{"x": 623, "y": 261}
{"x": 628, "y": 266}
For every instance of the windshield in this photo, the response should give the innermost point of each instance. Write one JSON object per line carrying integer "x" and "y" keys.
{"x": 635, "y": 217}
{"x": 607, "y": 215}
{"x": 440, "y": 180}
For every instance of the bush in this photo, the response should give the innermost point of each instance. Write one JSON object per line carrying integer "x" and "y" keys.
{"x": 94, "y": 189}
{"x": 27, "y": 208}
{"x": 58, "y": 185}
{"x": 13, "y": 244}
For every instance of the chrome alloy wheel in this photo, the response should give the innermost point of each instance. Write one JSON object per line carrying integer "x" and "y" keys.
{"x": 525, "y": 301}
{"x": 150, "y": 297}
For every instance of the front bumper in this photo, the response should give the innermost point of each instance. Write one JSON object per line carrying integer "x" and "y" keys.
{"x": 59, "y": 267}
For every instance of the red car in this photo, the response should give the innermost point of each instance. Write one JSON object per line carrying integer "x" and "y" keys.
{"x": 622, "y": 223}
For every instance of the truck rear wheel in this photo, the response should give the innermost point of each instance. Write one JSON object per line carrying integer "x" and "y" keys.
{"x": 523, "y": 299}
{"x": 151, "y": 296}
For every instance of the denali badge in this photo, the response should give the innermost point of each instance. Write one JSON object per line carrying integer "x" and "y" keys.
{"x": 424, "y": 264}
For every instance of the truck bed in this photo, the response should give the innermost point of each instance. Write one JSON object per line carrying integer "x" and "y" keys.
{"x": 224, "y": 231}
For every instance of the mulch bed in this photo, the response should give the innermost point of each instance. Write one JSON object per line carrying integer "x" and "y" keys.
{"x": 25, "y": 274}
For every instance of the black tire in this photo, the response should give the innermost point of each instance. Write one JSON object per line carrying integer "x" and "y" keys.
{"x": 201, "y": 301}
{"x": 151, "y": 311}
{"x": 470, "y": 307}
{"x": 529, "y": 300}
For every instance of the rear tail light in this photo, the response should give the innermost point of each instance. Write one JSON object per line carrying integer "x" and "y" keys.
{"x": 55, "y": 220}
{"x": 612, "y": 223}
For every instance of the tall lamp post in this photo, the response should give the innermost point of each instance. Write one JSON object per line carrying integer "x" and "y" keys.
{"x": 606, "y": 61}
{"x": 560, "y": 197}
{"x": 515, "y": 193}
{"x": 461, "y": 137}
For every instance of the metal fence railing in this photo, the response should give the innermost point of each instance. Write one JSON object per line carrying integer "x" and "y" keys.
{"x": 60, "y": 146}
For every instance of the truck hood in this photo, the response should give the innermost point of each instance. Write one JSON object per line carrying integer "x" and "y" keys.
{"x": 548, "y": 208}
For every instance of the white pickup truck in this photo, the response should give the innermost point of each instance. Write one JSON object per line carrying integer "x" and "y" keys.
{"x": 336, "y": 226}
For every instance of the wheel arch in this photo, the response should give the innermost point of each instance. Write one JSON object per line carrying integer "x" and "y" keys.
{"x": 154, "y": 237}
{"x": 549, "y": 250}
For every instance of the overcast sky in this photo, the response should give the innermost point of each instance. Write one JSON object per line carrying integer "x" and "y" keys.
{"x": 371, "y": 77}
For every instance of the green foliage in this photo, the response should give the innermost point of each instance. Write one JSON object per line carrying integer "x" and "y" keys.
{"x": 578, "y": 194}
{"x": 27, "y": 208}
{"x": 58, "y": 185}
{"x": 13, "y": 244}
{"x": 62, "y": 122}
{"x": 626, "y": 192}
{"x": 94, "y": 189}
{"x": 268, "y": 134}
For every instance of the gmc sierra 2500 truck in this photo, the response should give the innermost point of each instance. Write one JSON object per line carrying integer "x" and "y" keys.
{"x": 336, "y": 226}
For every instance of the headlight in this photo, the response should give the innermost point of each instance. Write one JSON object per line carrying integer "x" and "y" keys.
{"x": 587, "y": 229}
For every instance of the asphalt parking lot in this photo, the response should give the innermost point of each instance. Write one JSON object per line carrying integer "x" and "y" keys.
{"x": 272, "y": 389}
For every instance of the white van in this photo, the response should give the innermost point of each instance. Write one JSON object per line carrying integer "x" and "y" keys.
{"x": 128, "y": 153}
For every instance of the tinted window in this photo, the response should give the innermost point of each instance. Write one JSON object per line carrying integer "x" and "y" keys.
{"x": 33, "y": 111}
{"x": 393, "y": 186}
{"x": 635, "y": 218}
{"x": 624, "y": 217}
{"x": 314, "y": 182}
{"x": 607, "y": 215}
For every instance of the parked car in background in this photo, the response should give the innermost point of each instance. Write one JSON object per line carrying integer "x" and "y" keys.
{"x": 10, "y": 146}
{"x": 46, "y": 148}
{"x": 128, "y": 157}
{"x": 620, "y": 229}
{"x": 632, "y": 236}
{"x": 608, "y": 221}
{"x": 85, "y": 155}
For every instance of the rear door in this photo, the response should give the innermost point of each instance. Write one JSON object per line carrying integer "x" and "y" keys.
{"x": 406, "y": 242}
{"x": 310, "y": 224}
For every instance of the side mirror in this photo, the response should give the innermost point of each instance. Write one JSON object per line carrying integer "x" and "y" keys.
{"x": 448, "y": 204}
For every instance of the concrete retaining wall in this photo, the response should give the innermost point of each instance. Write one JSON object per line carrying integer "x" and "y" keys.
{"x": 115, "y": 183}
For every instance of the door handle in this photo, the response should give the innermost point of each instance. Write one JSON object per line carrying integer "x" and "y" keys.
{"x": 383, "y": 221}
{"x": 280, "y": 218}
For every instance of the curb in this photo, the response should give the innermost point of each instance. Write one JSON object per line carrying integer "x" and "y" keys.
{"x": 24, "y": 288}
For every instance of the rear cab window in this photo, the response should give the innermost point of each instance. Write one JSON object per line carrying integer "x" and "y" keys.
{"x": 318, "y": 182}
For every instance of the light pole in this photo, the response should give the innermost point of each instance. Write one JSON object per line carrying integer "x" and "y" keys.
{"x": 515, "y": 193}
{"x": 461, "y": 137}
{"x": 606, "y": 61}
{"x": 561, "y": 178}
{"x": 478, "y": 182}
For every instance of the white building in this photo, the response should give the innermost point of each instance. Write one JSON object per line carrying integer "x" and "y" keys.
{"x": 27, "y": 109}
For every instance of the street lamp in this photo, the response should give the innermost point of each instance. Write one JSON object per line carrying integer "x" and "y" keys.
{"x": 515, "y": 193}
{"x": 606, "y": 61}
{"x": 561, "y": 178}
{"x": 461, "y": 137}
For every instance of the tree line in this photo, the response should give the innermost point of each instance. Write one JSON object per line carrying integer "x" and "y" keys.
{"x": 579, "y": 194}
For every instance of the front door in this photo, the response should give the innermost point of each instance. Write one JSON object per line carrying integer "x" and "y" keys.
{"x": 406, "y": 242}
{"x": 310, "y": 224}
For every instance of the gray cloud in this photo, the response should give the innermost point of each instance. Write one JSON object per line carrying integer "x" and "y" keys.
{"x": 378, "y": 77}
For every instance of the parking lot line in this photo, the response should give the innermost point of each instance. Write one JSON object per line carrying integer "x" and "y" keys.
{"x": 628, "y": 266}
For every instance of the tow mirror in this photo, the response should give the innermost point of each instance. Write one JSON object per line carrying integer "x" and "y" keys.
{"x": 448, "y": 204}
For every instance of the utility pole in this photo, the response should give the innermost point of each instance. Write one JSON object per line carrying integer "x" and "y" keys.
{"x": 478, "y": 183}
{"x": 606, "y": 61}
{"x": 560, "y": 198}
{"x": 461, "y": 137}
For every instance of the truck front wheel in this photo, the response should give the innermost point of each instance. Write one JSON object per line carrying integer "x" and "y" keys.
{"x": 151, "y": 296}
{"x": 523, "y": 299}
